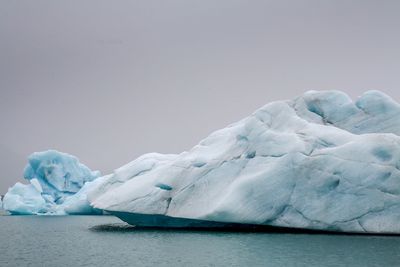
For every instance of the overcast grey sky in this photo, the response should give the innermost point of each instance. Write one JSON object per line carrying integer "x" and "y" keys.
{"x": 110, "y": 80}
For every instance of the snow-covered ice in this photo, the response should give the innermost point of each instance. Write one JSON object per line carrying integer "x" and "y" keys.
{"x": 58, "y": 185}
{"x": 320, "y": 161}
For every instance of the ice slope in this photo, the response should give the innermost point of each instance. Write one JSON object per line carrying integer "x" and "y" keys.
{"x": 320, "y": 161}
{"x": 58, "y": 185}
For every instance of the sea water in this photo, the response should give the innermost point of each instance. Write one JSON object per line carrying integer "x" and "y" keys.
{"x": 107, "y": 241}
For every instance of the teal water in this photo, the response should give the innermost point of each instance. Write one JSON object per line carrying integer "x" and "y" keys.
{"x": 106, "y": 241}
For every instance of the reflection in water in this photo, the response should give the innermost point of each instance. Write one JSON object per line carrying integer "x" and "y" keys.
{"x": 124, "y": 227}
{"x": 113, "y": 227}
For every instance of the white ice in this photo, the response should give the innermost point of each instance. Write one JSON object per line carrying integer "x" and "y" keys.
{"x": 320, "y": 161}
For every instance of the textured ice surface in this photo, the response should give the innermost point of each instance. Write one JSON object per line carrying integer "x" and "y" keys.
{"x": 24, "y": 199}
{"x": 320, "y": 161}
{"x": 58, "y": 185}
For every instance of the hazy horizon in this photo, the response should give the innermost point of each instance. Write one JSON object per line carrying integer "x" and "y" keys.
{"x": 110, "y": 81}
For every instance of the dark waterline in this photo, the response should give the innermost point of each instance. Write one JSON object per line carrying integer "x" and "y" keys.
{"x": 106, "y": 241}
{"x": 163, "y": 222}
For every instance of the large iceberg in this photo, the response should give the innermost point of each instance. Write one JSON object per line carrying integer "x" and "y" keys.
{"x": 320, "y": 161}
{"x": 58, "y": 185}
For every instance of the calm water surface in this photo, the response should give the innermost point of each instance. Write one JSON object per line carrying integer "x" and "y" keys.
{"x": 106, "y": 241}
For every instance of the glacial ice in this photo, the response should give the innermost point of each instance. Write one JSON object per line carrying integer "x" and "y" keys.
{"x": 24, "y": 199}
{"x": 320, "y": 161}
{"x": 58, "y": 185}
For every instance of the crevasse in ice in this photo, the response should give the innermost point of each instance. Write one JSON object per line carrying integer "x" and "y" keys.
{"x": 320, "y": 161}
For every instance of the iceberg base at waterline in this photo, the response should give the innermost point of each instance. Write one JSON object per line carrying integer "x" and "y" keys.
{"x": 163, "y": 222}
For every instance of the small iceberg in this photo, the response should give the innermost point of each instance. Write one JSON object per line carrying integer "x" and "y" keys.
{"x": 58, "y": 184}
